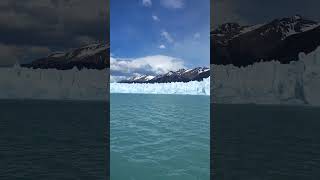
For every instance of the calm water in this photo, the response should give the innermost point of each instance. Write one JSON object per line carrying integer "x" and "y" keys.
{"x": 163, "y": 137}
{"x": 53, "y": 140}
{"x": 252, "y": 142}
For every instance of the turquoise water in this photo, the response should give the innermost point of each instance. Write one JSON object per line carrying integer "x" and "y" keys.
{"x": 163, "y": 137}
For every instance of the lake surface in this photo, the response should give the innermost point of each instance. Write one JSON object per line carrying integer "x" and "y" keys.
{"x": 264, "y": 142}
{"x": 159, "y": 137}
{"x": 53, "y": 140}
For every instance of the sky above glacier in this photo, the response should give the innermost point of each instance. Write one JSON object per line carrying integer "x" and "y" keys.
{"x": 34, "y": 28}
{"x": 155, "y": 36}
{"x": 261, "y": 11}
{"x": 171, "y": 31}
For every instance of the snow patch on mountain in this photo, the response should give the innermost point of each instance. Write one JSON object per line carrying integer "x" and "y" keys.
{"x": 149, "y": 77}
{"x": 91, "y": 50}
{"x": 57, "y": 54}
{"x": 181, "y": 75}
{"x": 286, "y": 27}
{"x": 247, "y": 29}
{"x": 93, "y": 56}
{"x": 251, "y": 28}
{"x": 289, "y": 29}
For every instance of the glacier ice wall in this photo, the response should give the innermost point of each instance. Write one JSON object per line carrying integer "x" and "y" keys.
{"x": 269, "y": 82}
{"x": 24, "y": 83}
{"x": 260, "y": 83}
{"x": 189, "y": 88}
{"x": 87, "y": 84}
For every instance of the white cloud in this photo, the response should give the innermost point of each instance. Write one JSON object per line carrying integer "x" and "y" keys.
{"x": 173, "y": 4}
{"x": 162, "y": 46}
{"x": 167, "y": 36}
{"x": 196, "y": 35}
{"x": 117, "y": 78}
{"x": 147, "y": 3}
{"x": 152, "y": 65}
{"x": 155, "y": 18}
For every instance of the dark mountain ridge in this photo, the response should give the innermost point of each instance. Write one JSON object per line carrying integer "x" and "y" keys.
{"x": 93, "y": 56}
{"x": 281, "y": 40}
{"x": 182, "y": 75}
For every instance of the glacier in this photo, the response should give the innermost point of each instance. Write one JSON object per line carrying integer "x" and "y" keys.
{"x": 86, "y": 84}
{"x": 51, "y": 84}
{"x": 297, "y": 83}
{"x": 182, "y": 88}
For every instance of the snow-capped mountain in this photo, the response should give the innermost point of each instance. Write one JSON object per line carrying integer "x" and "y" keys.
{"x": 138, "y": 79}
{"x": 182, "y": 75}
{"x": 93, "y": 56}
{"x": 281, "y": 39}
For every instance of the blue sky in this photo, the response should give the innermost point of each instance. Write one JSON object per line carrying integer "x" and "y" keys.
{"x": 176, "y": 31}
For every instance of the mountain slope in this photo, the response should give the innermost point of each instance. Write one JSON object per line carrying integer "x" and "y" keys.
{"x": 281, "y": 39}
{"x": 182, "y": 75}
{"x": 93, "y": 56}
{"x": 138, "y": 79}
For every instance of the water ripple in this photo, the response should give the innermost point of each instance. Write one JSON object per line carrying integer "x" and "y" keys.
{"x": 159, "y": 136}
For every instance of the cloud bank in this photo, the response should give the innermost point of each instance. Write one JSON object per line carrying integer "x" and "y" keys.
{"x": 152, "y": 65}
